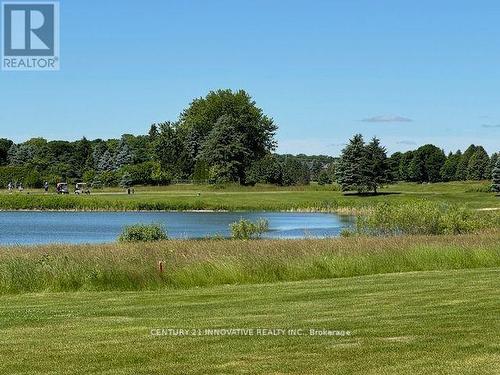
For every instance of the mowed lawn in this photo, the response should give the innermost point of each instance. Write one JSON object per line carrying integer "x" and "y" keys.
{"x": 438, "y": 322}
{"x": 260, "y": 197}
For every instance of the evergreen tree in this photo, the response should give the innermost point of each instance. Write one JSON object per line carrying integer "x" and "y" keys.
{"x": 352, "y": 171}
{"x": 493, "y": 162}
{"x": 224, "y": 151}
{"x": 124, "y": 155}
{"x": 479, "y": 162}
{"x": 496, "y": 177}
{"x": 106, "y": 162}
{"x": 377, "y": 165}
{"x": 449, "y": 170}
{"x": 463, "y": 164}
{"x": 21, "y": 155}
{"x": 126, "y": 180}
{"x": 98, "y": 152}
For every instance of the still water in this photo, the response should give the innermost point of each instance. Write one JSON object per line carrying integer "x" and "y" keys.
{"x": 99, "y": 227}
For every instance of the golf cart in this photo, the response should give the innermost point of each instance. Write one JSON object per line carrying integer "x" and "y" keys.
{"x": 81, "y": 188}
{"x": 62, "y": 188}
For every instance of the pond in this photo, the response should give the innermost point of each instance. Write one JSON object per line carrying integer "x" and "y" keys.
{"x": 28, "y": 228}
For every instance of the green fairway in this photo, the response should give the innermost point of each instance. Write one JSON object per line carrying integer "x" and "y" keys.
{"x": 234, "y": 197}
{"x": 441, "y": 322}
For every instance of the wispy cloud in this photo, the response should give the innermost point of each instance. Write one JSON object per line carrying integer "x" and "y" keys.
{"x": 489, "y": 126}
{"x": 405, "y": 142}
{"x": 337, "y": 144}
{"x": 387, "y": 119}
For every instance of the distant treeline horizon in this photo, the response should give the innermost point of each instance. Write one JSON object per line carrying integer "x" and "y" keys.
{"x": 221, "y": 138}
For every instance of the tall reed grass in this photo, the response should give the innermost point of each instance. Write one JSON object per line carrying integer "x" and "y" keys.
{"x": 424, "y": 217}
{"x": 195, "y": 263}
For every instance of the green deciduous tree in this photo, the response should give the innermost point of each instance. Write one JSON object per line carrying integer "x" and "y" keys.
{"x": 254, "y": 129}
{"x": 426, "y": 164}
{"x": 267, "y": 170}
{"x": 295, "y": 172}
{"x": 5, "y": 144}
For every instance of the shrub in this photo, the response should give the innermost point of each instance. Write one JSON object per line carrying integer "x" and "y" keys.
{"x": 245, "y": 229}
{"x": 143, "y": 233}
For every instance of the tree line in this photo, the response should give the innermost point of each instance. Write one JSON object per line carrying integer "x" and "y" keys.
{"x": 220, "y": 138}
{"x": 225, "y": 137}
{"x": 365, "y": 167}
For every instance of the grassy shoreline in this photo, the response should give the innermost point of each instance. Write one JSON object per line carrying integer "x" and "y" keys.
{"x": 201, "y": 263}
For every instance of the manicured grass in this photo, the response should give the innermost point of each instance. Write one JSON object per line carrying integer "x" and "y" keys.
{"x": 441, "y": 322}
{"x": 192, "y": 263}
{"x": 272, "y": 198}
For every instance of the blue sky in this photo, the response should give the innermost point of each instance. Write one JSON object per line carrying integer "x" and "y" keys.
{"x": 408, "y": 72}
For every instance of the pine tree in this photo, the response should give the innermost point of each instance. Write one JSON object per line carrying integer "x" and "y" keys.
{"x": 106, "y": 162}
{"x": 493, "y": 162}
{"x": 477, "y": 168}
{"x": 126, "y": 180}
{"x": 224, "y": 151}
{"x": 449, "y": 170}
{"x": 378, "y": 165}
{"x": 124, "y": 155}
{"x": 463, "y": 164}
{"x": 496, "y": 177}
{"x": 352, "y": 173}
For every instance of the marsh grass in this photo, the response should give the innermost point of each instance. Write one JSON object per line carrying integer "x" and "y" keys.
{"x": 196, "y": 263}
{"x": 424, "y": 218}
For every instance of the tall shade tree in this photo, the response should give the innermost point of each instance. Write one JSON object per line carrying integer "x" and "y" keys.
{"x": 169, "y": 149}
{"x": 352, "y": 169}
{"x": 255, "y": 129}
{"x": 377, "y": 165}
{"x": 426, "y": 164}
{"x": 295, "y": 172}
{"x": 394, "y": 162}
{"x": 404, "y": 166}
